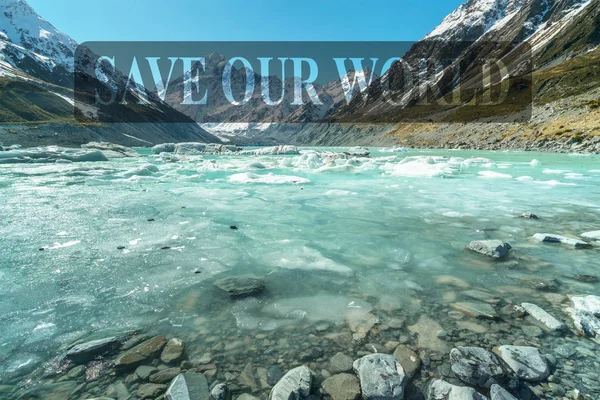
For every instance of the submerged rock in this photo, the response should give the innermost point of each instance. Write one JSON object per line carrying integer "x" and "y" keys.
{"x": 295, "y": 385}
{"x": 340, "y": 363}
{"x": 442, "y": 390}
{"x": 542, "y": 317}
{"x": 497, "y": 392}
{"x": 142, "y": 352}
{"x": 526, "y": 362}
{"x": 220, "y": 392}
{"x": 342, "y": 387}
{"x": 410, "y": 361}
{"x": 189, "y": 386}
{"x": 360, "y": 322}
{"x": 381, "y": 377}
{"x": 427, "y": 330}
{"x": 476, "y": 366}
{"x": 53, "y": 391}
{"x": 491, "y": 248}
{"x": 150, "y": 390}
{"x": 164, "y": 375}
{"x": 85, "y": 352}
{"x": 241, "y": 286}
{"x": 475, "y": 309}
{"x": 551, "y": 238}
{"x": 173, "y": 351}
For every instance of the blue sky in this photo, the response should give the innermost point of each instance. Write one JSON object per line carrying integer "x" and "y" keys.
{"x": 234, "y": 20}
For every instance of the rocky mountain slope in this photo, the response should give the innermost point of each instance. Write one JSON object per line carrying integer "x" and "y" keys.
{"x": 36, "y": 97}
{"x": 564, "y": 84}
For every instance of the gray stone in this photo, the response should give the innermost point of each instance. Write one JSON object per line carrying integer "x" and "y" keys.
{"x": 274, "y": 374}
{"x": 442, "y": 390}
{"x": 164, "y": 375}
{"x": 139, "y": 354}
{"x": 381, "y": 377}
{"x": 497, "y": 392}
{"x": 241, "y": 286}
{"x": 85, "y": 352}
{"x": 188, "y": 386}
{"x": 53, "y": 391}
{"x": 173, "y": 351}
{"x": 295, "y": 385}
{"x": 584, "y": 312}
{"x": 340, "y": 363}
{"x": 342, "y": 387}
{"x": 150, "y": 390}
{"x": 491, "y": 248}
{"x": 410, "y": 361}
{"x": 220, "y": 392}
{"x": 476, "y": 366}
{"x": 543, "y": 317}
{"x": 144, "y": 371}
{"x": 246, "y": 396}
{"x": 532, "y": 331}
{"x": 526, "y": 362}
{"x": 475, "y": 309}
{"x": 551, "y": 238}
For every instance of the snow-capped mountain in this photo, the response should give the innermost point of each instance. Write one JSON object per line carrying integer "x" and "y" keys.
{"x": 38, "y": 70}
{"x": 476, "y": 17}
{"x": 34, "y": 45}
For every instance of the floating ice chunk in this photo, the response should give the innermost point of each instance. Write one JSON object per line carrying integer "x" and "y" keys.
{"x": 111, "y": 150}
{"x": 525, "y": 178}
{"x": 494, "y": 174}
{"x": 256, "y": 165}
{"x": 194, "y": 148}
{"x": 248, "y": 177}
{"x": 50, "y": 155}
{"x": 144, "y": 170}
{"x": 534, "y": 163}
{"x": 305, "y": 258}
{"x": 309, "y": 160}
{"x": 423, "y": 166}
{"x": 274, "y": 150}
{"x": 60, "y": 246}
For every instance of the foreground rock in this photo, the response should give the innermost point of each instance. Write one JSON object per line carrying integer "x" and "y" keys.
{"x": 551, "y": 238}
{"x": 497, "y": 392}
{"x": 173, "y": 351}
{"x": 475, "y": 309}
{"x": 381, "y": 377}
{"x": 188, "y": 386}
{"x": 442, "y": 390}
{"x": 584, "y": 312}
{"x": 340, "y": 363}
{"x": 142, "y": 352}
{"x": 491, "y": 248}
{"x": 111, "y": 150}
{"x": 295, "y": 385}
{"x": 342, "y": 387}
{"x": 410, "y": 361}
{"x": 542, "y": 317}
{"x": 150, "y": 390}
{"x": 526, "y": 362}
{"x": 241, "y": 286}
{"x": 476, "y": 366}
{"x": 85, "y": 352}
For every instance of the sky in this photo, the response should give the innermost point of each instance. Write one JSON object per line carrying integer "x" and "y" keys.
{"x": 244, "y": 20}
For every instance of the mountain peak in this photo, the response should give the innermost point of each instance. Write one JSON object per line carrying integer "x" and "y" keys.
{"x": 25, "y": 32}
{"x": 474, "y": 18}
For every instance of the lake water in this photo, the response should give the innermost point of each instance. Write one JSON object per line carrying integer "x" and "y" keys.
{"x": 92, "y": 249}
